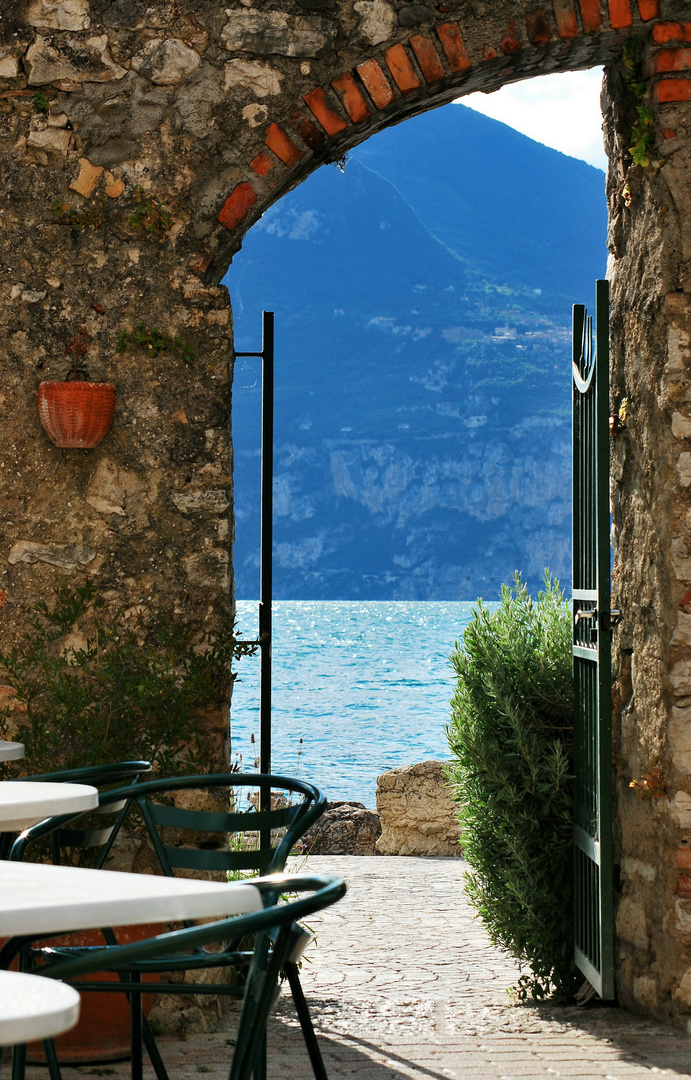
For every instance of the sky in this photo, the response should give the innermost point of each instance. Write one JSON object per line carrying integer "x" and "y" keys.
{"x": 561, "y": 111}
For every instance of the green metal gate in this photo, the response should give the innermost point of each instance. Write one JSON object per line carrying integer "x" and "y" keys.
{"x": 592, "y": 625}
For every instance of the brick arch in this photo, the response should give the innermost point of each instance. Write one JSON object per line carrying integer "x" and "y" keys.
{"x": 418, "y": 69}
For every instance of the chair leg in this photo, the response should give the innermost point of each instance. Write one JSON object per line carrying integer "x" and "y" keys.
{"x": 52, "y": 1059}
{"x": 152, "y": 1051}
{"x": 260, "y": 990}
{"x": 18, "y": 1061}
{"x": 291, "y": 971}
{"x": 137, "y": 1063}
{"x": 259, "y": 1072}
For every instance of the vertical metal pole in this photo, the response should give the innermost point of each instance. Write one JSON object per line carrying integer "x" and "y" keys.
{"x": 266, "y": 552}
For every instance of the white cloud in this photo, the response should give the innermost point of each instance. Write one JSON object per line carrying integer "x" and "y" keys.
{"x": 561, "y": 111}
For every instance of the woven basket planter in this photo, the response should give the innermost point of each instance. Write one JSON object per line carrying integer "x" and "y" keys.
{"x": 76, "y": 414}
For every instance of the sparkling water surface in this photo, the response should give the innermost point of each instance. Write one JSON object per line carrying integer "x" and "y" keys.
{"x": 365, "y": 684}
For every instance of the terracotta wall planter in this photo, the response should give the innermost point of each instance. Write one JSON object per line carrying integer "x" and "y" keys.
{"x": 76, "y": 414}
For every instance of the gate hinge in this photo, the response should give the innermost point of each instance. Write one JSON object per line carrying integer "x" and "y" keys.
{"x": 611, "y": 619}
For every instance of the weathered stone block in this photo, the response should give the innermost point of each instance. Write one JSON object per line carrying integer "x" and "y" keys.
{"x": 253, "y": 75}
{"x": 681, "y": 809}
{"x": 418, "y": 815}
{"x": 9, "y": 67}
{"x": 59, "y": 14}
{"x": 166, "y": 62}
{"x": 680, "y": 738}
{"x": 274, "y": 33}
{"x": 645, "y": 992}
{"x": 73, "y": 62}
{"x": 377, "y": 20}
{"x": 54, "y": 140}
{"x": 67, "y": 556}
{"x": 632, "y": 925}
{"x": 209, "y": 503}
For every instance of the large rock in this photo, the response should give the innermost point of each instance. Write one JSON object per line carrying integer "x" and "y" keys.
{"x": 418, "y": 815}
{"x": 346, "y": 828}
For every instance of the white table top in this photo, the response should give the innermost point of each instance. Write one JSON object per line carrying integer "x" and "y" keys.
{"x": 11, "y": 751}
{"x": 37, "y": 898}
{"x": 34, "y": 1008}
{"x": 23, "y": 803}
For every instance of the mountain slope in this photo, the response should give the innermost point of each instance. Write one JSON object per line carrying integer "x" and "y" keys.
{"x": 422, "y": 363}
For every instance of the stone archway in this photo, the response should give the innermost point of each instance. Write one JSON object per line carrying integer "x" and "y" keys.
{"x": 140, "y": 139}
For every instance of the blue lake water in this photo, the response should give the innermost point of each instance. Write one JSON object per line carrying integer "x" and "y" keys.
{"x": 366, "y": 685}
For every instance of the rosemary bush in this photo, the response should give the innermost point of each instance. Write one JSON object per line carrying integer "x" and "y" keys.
{"x": 100, "y": 687}
{"x": 511, "y": 743}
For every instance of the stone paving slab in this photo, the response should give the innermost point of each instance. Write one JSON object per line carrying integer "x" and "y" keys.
{"x": 404, "y": 984}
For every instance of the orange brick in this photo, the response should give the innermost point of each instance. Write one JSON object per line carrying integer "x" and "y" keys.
{"x": 649, "y": 9}
{"x": 620, "y": 14}
{"x": 353, "y": 101}
{"x": 669, "y": 133}
{"x": 398, "y": 63}
{"x": 86, "y": 181}
{"x": 113, "y": 186}
{"x": 671, "y": 31}
{"x": 262, "y": 164}
{"x": 454, "y": 49}
{"x": 312, "y": 136}
{"x": 682, "y": 858}
{"x": 376, "y": 83}
{"x": 427, "y": 57}
{"x": 673, "y": 60}
{"x": 329, "y": 120}
{"x": 282, "y": 145}
{"x": 684, "y": 886}
{"x": 237, "y": 205}
{"x": 488, "y": 53}
{"x": 673, "y": 90}
{"x": 565, "y": 14}
{"x": 591, "y": 14}
{"x": 539, "y": 30}
{"x": 511, "y": 42}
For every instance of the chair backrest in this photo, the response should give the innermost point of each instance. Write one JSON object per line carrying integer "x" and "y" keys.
{"x": 92, "y": 839}
{"x": 99, "y": 776}
{"x": 229, "y": 839}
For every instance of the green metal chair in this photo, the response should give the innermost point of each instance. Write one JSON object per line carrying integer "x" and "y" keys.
{"x": 277, "y": 935}
{"x": 99, "y": 776}
{"x": 235, "y": 842}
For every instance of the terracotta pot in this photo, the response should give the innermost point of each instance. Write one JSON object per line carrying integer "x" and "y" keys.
{"x": 103, "y": 1031}
{"x": 76, "y": 414}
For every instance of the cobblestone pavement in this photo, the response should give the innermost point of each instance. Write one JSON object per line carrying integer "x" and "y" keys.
{"x": 403, "y": 983}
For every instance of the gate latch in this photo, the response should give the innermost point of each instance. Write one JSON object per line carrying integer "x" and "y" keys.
{"x": 609, "y": 619}
{"x": 581, "y": 614}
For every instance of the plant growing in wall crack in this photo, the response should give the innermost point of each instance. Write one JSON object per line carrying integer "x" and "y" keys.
{"x": 154, "y": 342}
{"x": 99, "y": 686}
{"x": 511, "y": 744}
{"x": 151, "y": 216}
{"x": 643, "y": 130}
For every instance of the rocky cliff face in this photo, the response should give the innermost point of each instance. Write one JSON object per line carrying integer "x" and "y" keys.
{"x": 423, "y": 444}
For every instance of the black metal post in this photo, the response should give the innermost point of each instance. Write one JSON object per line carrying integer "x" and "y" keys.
{"x": 266, "y": 554}
{"x": 266, "y": 551}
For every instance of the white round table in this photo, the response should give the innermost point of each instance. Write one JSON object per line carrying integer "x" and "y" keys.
{"x": 34, "y": 1008}
{"x": 11, "y": 751}
{"x": 25, "y": 803}
{"x": 38, "y": 898}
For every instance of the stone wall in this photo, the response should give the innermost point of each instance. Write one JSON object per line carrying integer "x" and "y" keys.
{"x": 140, "y": 139}
{"x": 651, "y": 275}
